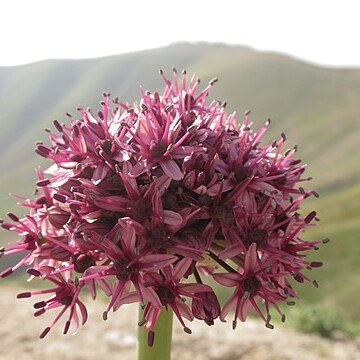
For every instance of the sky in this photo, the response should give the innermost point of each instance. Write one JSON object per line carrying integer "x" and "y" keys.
{"x": 318, "y": 31}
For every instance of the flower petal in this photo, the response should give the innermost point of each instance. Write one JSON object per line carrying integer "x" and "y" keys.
{"x": 171, "y": 169}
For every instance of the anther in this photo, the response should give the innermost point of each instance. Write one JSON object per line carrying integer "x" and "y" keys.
{"x": 283, "y": 137}
{"x": 142, "y": 322}
{"x": 187, "y": 330}
{"x": 234, "y": 324}
{"x": 66, "y": 327}
{"x": 39, "y": 312}
{"x": 326, "y": 240}
{"x": 39, "y": 305}
{"x": 174, "y": 70}
{"x": 13, "y": 217}
{"x": 290, "y": 303}
{"x": 105, "y": 315}
{"x": 269, "y": 326}
{"x": 161, "y": 72}
{"x": 213, "y": 81}
{"x": 315, "y": 194}
{"x": 184, "y": 72}
{"x": 315, "y": 283}
{"x": 33, "y": 272}
{"x": 283, "y": 318}
{"x": 45, "y": 332}
{"x": 23, "y": 295}
{"x": 58, "y": 126}
{"x": 247, "y": 112}
{"x": 310, "y": 217}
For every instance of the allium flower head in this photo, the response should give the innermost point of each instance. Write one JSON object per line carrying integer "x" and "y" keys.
{"x": 145, "y": 202}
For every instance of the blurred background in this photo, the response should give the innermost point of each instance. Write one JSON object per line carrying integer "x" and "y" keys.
{"x": 296, "y": 62}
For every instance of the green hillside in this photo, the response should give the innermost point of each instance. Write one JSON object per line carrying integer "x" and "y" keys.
{"x": 317, "y": 108}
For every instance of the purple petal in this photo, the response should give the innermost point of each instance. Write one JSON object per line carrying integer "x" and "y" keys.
{"x": 181, "y": 268}
{"x": 139, "y": 168}
{"x": 250, "y": 259}
{"x": 227, "y": 279}
{"x": 172, "y": 218}
{"x": 171, "y": 169}
{"x": 230, "y": 251}
{"x": 228, "y": 307}
{"x": 156, "y": 261}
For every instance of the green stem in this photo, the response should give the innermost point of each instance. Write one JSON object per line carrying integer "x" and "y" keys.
{"x": 161, "y": 349}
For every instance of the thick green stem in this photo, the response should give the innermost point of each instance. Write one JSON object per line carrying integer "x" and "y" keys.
{"x": 161, "y": 349}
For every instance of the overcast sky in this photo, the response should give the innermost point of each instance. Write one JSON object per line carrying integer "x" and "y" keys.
{"x": 320, "y": 31}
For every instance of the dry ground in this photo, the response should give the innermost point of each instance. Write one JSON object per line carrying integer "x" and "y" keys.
{"x": 116, "y": 338}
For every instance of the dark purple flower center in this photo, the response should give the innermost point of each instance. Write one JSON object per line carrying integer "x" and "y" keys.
{"x": 66, "y": 300}
{"x": 241, "y": 173}
{"x": 63, "y": 296}
{"x": 123, "y": 270}
{"x": 224, "y": 213}
{"x": 158, "y": 238}
{"x": 141, "y": 210}
{"x": 252, "y": 284}
{"x": 205, "y": 200}
{"x": 257, "y": 236}
{"x": 83, "y": 262}
{"x": 166, "y": 295}
{"x": 158, "y": 150}
{"x": 169, "y": 200}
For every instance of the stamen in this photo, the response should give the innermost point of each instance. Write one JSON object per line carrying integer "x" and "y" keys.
{"x": 66, "y": 327}
{"x": 45, "y": 332}
{"x": 24, "y": 295}
{"x": 151, "y": 338}
{"x": 213, "y": 81}
{"x": 142, "y": 322}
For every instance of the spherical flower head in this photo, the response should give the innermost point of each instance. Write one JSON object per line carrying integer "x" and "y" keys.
{"x": 145, "y": 202}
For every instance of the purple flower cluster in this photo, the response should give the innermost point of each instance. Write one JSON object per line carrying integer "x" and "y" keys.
{"x": 146, "y": 201}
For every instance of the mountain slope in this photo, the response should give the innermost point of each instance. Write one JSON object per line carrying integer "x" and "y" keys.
{"x": 316, "y": 107}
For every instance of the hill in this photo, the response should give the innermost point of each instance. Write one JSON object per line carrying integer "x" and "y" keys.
{"x": 316, "y": 107}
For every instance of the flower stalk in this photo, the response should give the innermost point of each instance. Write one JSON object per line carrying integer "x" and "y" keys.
{"x": 161, "y": 347}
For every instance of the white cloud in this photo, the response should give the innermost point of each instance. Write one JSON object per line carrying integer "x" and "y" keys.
{"x": 320, "y": 31}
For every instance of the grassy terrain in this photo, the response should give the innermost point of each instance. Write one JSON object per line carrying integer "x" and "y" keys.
{"x": 316, "y": 107}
